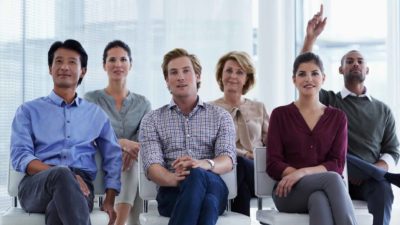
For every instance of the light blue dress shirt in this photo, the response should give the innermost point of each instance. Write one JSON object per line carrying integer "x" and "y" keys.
{"x": 63, "y": 134}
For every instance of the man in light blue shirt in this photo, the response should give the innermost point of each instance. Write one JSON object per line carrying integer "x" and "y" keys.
{"x": 54, "y": 141}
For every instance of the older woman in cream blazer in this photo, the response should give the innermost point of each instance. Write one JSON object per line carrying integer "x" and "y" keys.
{"x": 235, "y": 76}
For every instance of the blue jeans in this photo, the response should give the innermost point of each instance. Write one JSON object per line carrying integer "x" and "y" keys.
{"x": 374, "y": 189}
{"x": 56, "y": 193}
{"x": 198, "y": 200}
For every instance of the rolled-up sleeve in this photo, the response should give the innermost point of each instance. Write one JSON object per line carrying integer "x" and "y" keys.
{"x": 150, "y": 142}
{"x": 22, "y": 149}
{"x": 225, "y": 141}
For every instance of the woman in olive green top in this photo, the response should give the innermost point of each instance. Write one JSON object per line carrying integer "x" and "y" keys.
{"x": 235, "y": 76}
{"x": 125, "y": 110}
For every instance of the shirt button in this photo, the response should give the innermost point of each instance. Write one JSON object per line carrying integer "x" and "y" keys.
{"x": 67, "y": 121}
{"x": 311, "y": 146}
{"x": 188, "y": 135}
{"x": 68, "y": 136}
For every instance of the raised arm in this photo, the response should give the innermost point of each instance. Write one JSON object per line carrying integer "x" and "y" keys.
{"x": 315, "y": 26}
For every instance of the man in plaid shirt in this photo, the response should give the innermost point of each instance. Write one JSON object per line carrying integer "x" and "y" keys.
{"x": 185, "y": 145}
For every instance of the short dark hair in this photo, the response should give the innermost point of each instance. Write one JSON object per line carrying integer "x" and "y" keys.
{"x": 116, "y": 44}
{"x": 345, "y": 56}
{"x": 177, "y": 53}
{"x": 71, "y": 45}
{"x": 307, "y": 57}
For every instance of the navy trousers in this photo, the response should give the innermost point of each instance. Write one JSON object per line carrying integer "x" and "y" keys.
{"x": 198, "y": 200}
{"x": 245, "y": 182}
{"x": 374, "y": 189}
{"x": 56, "y": 193}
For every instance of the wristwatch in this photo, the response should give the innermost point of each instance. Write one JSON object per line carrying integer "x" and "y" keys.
{"x": 211, "y": 162}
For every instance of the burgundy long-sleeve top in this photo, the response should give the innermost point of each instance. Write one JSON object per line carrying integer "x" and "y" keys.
{"x": 292, "y": 143}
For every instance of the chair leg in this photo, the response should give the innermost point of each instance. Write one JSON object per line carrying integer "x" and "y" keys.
{"x": 259, "y": 203}
{"x": 145, "y": 206}
{"x": 100, "y": 201}
{"x": 229, "y": 206}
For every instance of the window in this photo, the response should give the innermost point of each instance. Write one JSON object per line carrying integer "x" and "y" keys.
{"x": 206, "y": 28}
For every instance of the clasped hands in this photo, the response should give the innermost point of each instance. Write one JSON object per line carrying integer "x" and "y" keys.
{"x": 183, "y": 164}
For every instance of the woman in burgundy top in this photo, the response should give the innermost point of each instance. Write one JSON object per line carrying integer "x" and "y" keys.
{"x": 307, "y": 144}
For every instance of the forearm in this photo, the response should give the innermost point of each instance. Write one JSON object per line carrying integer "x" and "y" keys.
{"x": 304, "y": 170}
{"x": 36, "y": 166}
{"x": 308, "y": 44}
{"x": 223, "y": 164}
{"x": 161, "y": 176}
{"x": 110, "y": 196}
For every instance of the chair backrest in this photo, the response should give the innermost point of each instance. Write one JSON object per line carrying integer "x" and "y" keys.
{"x": 148, "y": 189}
{"x": 263, "y": 183}
{"x": 15, "y": 177}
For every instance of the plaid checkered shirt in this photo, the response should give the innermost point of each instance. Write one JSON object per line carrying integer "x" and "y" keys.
{"x": 166, "y": 134}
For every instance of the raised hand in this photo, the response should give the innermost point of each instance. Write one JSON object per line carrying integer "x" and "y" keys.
{"x": 316, "y": 24}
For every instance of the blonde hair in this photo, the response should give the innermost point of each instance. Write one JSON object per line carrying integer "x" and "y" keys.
{"x": 177, "y": 53}
{"x": 244, "y": 60}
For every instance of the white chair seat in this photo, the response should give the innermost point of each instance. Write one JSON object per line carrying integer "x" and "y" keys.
{"x": 148, "y": 192}
{"x": 273, "y": 216}
{"x": 154, "y": 218}
{"x": 17, "y": 216}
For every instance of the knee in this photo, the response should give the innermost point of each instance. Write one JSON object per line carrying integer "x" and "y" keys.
{"x": 197, "y": 173}
{"x": 333, "y": 177}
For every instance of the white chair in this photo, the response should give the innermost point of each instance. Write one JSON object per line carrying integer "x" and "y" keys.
{"x": 263, "y": 189}
{"x": 148, "y": 192}
{"x": 17, "y": 216}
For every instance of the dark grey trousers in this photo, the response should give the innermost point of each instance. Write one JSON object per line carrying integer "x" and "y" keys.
{"x": 323, "y": 196}
{"x": 56, "y": 193}
{"x": 374, "y": 189}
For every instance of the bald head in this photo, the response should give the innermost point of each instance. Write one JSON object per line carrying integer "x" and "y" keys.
{"x": 342, "y": 61}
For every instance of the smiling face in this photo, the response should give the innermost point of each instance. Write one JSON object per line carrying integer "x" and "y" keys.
{"x": 233, "y": 77}
{"x": 117, "y": 64}
{"x": 308, "y": 79}
{"x": 181, "y": 78}
{"x": 66, "y": 68}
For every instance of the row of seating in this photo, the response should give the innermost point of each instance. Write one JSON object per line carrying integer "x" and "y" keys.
{"x": 148, "y": 191}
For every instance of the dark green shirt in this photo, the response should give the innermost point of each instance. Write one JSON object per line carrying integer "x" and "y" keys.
{"x": 371, "y": 125}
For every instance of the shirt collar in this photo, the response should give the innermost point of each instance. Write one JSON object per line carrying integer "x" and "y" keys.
{"x": 172, "y": 103}
{"x": 60, "y": 101}
{"x": 345, "y": 92}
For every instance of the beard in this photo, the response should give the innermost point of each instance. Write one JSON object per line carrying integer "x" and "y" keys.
{"x": 354, "y": 77}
